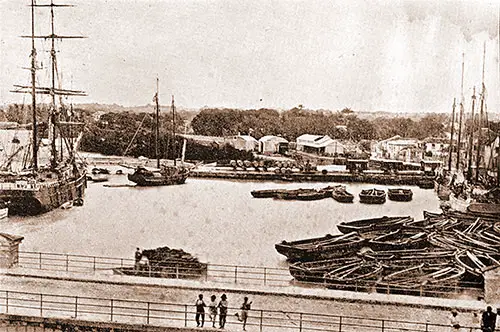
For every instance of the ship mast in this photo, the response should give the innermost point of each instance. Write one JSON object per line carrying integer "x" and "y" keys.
{"x": 460, "y": 116}
{"x": 33, "y": 88}
{"x": 480, "y": 121}
{"x": 450, "y": 152}
{"x": 157, "y": 132}
{"x": 471, "y": 138}
{"x": 173, "y": 130}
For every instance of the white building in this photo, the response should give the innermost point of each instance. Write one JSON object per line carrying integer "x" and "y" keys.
{"x": 396, "y": 148}
{"x": 244, "y": 142}
{"x": 320, "y": 145}
{"x": 271, "y": 144}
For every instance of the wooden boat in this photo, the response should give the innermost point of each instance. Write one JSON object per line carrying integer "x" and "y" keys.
{"x": 310, "y": 196}
{"x": 99, "y": 178}
{"x": 328, "y": 246}
{"x": 484, "y": 209}
{"x": 398, "y": 240}
{"x": 314, "y": 271}
{"x": 342, "y": 195}
{"x": 431, "y": 276}
{"x": 293, "y": 193}
{"x": 476, "y": 263}
{"x": 267, "y": 193}
{"x": 359, "y": 274}
{"x": 401, "y": 195}
{"x": 98, "y": 170}
{"x": 374, "y": 224}
{"x": 372, "y": 196}
{"x": 426, "y": 184}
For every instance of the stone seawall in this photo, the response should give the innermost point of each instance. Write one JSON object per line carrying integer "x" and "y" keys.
{"x": 41, "y": 324}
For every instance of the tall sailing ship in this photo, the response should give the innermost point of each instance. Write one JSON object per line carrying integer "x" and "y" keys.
{"x": 163, "y": 175}
{"x": 38, "y": 188}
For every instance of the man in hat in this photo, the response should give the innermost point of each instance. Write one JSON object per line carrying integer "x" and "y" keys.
{"x": 488, "y": 320}
{"x": 223, "y": 304}
{"x": 455, "y": 325}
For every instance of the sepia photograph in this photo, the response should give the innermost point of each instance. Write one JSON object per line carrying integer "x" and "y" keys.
{"x": 249, "y": 165}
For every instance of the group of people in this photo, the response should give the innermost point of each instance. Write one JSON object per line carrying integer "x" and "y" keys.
{"x": 141, "y": 261}
{"x": 220, "y": 309}
{"x": 488, "y": 320}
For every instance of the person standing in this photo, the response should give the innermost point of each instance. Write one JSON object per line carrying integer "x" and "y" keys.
{"x": 489, "y": 320}
{"x": 455, "y": 324}
{"x": 200, "y": 311}
{"x": 245, "y": 307}
{"x": 222, "y": 311}
{"x": 138, "y": 256}
{"x": 212, "y": 309}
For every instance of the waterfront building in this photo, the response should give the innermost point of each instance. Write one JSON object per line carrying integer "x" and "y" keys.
{"x": 321, "y": 145}
{"x": 272, "y": 144}
{"x": 244, "y": 142}
{"x": 397, "y": 148}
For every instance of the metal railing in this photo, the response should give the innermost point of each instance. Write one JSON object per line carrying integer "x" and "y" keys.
{"x": 222, "y": 273}
{"x": 182, "y": 315}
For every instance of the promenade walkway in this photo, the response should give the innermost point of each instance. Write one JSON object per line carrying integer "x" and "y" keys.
{"x": 276, "y": 304}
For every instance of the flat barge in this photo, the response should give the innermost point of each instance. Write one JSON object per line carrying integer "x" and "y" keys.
{"x": 377, "y": 178}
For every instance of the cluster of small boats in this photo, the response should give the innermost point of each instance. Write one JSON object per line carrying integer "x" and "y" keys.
{"x": 338, "y": 192}
{"x": 438, "y": 254}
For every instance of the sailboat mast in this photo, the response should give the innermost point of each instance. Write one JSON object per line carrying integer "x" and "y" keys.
{"x": 450, "y": 151}
{"x": 52, "y": 117}
{"x": 471, "y": 137}
{"x": 173, "y": 130}
{"x": 157, "y": 133}
{"x": 459, "y": 140}
{"x": 480, "y": 121}
{"x": 33, "y": 88}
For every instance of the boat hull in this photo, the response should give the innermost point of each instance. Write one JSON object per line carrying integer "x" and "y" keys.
{"x": 149, "y": 181}
{"x": 44, "y": 198}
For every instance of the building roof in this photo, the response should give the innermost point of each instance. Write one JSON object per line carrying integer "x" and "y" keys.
{"x": 247, "y": 138}
{"x": 309, "y": 137}
{"x": 271, "y": 137}
{"x": 318, "y": 141}
{"x": 12, "y": 238}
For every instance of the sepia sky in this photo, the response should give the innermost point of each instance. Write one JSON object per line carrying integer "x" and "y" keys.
{"x": 399, "y": 56}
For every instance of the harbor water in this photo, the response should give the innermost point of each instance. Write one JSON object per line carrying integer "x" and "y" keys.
{"x": 216, "y": 220}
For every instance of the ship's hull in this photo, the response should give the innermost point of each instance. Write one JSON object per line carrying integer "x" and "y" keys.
{"x": 157, "y": 179}
{"x": 29, "y": 201}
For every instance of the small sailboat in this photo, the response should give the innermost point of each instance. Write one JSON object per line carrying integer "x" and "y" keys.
{"x": 163, "y": 175}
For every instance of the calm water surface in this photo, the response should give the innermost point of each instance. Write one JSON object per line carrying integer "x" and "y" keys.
{"x": 216, "y": 220}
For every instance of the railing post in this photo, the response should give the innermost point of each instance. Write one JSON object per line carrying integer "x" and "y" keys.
{"x": 300, "y": 322}
{"x": 383, "y": 325}
{"x": 93, "y": 266}
{"x": 185, "y": 315}
{"x": 6, "y": 302}
{"x": 340, "y": 324}
{"x": 121, "y": 262}
{"x": 40, "y": 260}
{"x": 236, "y": 274}
{"x": 76, "y": 306}
{"x": 41, "y": 305}
{"x": 265, "y": 270}
{"x": 426, "y": 327}
{"x": 148, "y": 315}
{"x": 176, "y": 271}
{"x": 67, "y": 263}
{"x": 261, "y": 319}
{"x": 111, "y": 310}
{"x": 149, "y": 270}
